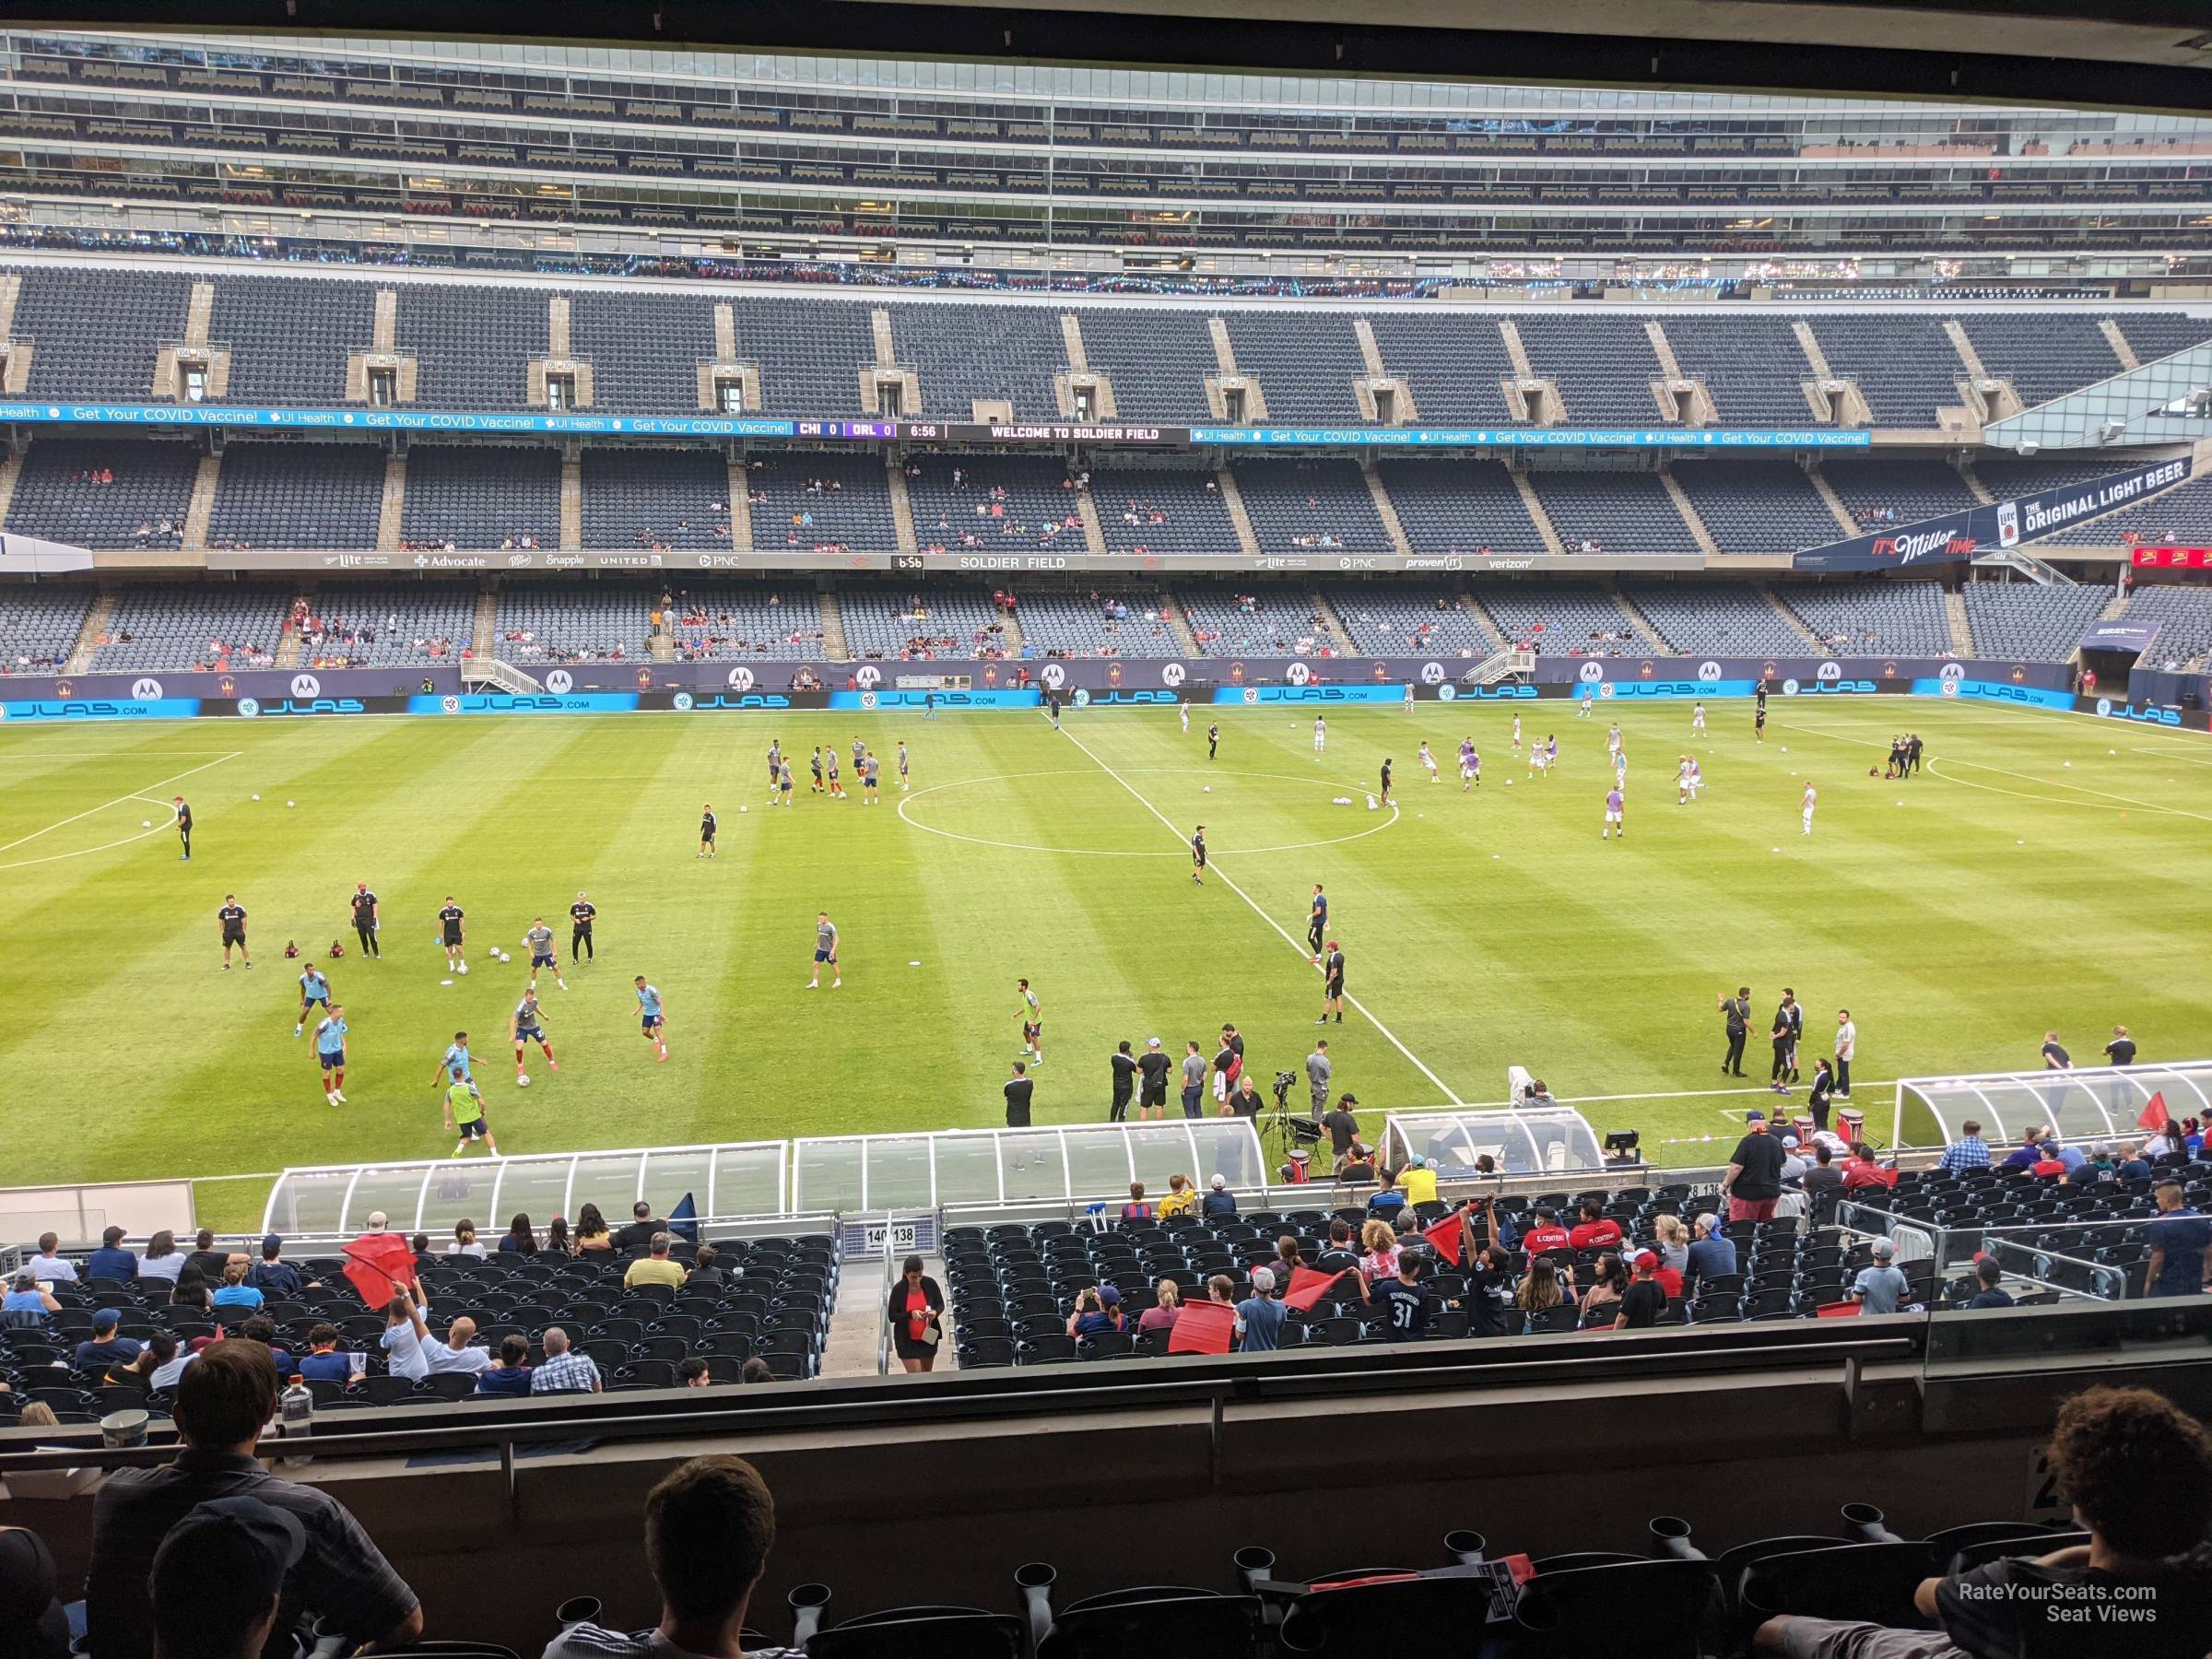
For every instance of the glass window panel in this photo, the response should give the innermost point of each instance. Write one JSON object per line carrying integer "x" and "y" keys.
{"x": 536, "y": 1187}
{"x": 459, "y": 1190}
{"x": 308, "y": 1201}
{"x": 1099, "y": 1165}
{"x": 670, "y": 1175}
{"x": 1030, "y": 1163}
{"x": 967, "y": 1168}
{"x": 898, "y": 1172}
{"x": 748, "y": 1181}
{"x": 829, "y": 1175}
{"x": 391, "y": 1189}
{"x": 609, "y": 1180}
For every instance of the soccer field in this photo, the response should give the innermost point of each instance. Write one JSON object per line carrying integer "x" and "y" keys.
{"x": 2045, "y": 870}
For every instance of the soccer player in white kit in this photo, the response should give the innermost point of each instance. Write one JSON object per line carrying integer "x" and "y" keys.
{"x": 1682, "y": 782}
{"x": 1697, "y": 717}
{"x": 1408, "y": 697}
{"x": 1540, "y": 758}
{"x": 1321, "y": 733}
{"x": 1516, "y": 733}
{"x": 1183, "y": 708}
{"x": 1470, "y": 765}
{"x": 1429, "y": 761}
{"x": 1812, "y": 797}
{"x": 1613, "y": 739}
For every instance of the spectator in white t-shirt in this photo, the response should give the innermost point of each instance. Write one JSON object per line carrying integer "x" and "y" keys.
{"x": 403, "y": 1338}
{"x": 454, "y": 1354}
{"x": 48, "y": 1266}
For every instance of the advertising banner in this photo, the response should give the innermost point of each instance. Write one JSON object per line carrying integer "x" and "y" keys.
{"x": 1958, "y": 535}
{"x": 1228, "y": 560}
{"x": 2133, "y": 637}
{"x": 265, "y": 685}
{"x": 2172, "y": 559}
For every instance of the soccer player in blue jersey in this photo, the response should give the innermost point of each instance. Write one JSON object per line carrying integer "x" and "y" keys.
{"x": 330, "y": 1053}
{"x": 525, "y": 1025}
{"x": 314, "y": 992}
{"x": 651, "y": 1019}
{"x": 456, "y": 1054}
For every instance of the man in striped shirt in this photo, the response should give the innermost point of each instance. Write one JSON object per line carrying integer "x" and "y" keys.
{"x": 1970, "y": 1151}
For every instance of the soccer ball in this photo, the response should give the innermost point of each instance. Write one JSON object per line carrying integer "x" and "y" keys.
{"x": 1208, "y": 789}
{"x": 522, "y": 1079}
{"x": 464, "y": 967}
{"x": 146, "y": 823}
{"x": 291, "y": 803}
{"x": 1508, "y": 782}
{"x": 257, "y": 797}
{"x": 745, "y": 808}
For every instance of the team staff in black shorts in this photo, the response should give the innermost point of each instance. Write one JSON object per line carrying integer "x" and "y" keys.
{"x": 183, "y": 811}
{"x": 233, "y": 919}
{"x": 707, "y": 827}
{"x": 580, "y": 936}
{"x": 1332, "y": 985}
{"x": 365, "y": 918}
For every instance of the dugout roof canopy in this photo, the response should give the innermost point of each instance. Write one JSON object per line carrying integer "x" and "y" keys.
{"x": 1522, "y": 1140}
{"x": 996, "y": 1166}
{"x": 736, "y": 1178}
{"x": 2099, "y": 1102}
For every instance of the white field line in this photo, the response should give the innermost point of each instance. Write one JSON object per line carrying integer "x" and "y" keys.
{"x": 1366, "y": 1013}
{"x": 136, "y": 795}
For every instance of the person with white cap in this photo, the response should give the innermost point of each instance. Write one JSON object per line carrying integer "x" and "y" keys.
{"x": 1880, "y": 1286}
{"x": 1219, "y": 1204}
{"x": 1259, "y": 1316}
{"x": 1153, "y": 1067}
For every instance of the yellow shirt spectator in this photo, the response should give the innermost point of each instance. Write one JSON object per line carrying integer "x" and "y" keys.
{"x": 1417, "y": 1184}
{"x": 660, "y": 1270}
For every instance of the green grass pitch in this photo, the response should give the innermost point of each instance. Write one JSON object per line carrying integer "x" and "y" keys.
{"x": 2046, "y": 870}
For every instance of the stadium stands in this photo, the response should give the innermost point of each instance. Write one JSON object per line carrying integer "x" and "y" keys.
{"x": 920, "y": 623}
{"x": 644, "y": 355}
{"x": 1706, "y": 618}
{"x": 1604, "y": 366}
{"x": 1414, "y": 619}
{"x": 809, "y": 502}
{"x": 1122, "y": 622}
{"x": 38, "y": 625}
{"x": 1304, "y": 505}
{"x": 2158, "y": 334}
{"x": 1612, "y": 511}
{"x": 1155, "y": 359}
{"x": 1752, "y": 366}
{"x": 472, "y": 345}
{"x": 482, "y": 496}
{"x": 2045, "y": 355}
{"x": 2025, "y": 621}
{"x": 289, "y": 340}
{"x": 569, "y": 622}
{"x": 809, "y": 352}
{"x": 1280, "y": 622}
{"x": 1014, "y": 359}
{"x": 993, "y": 503}
{"x": 2185, "y": 618}
{"x": 1904, "y": 363}
{"x": 95, "y": 333}
{"x": 372, "y": 625}
{"x": 1880, "y": 493}
{"x": 297, "y": 495}
{"x": 1460, "y": 507}
{"x": 1159, "y": 509}
{"x": 720, "y": 622}
{"x": 1874, "y": 617}
{"x": 173, "y": 626}
{"x": 1563, "y": 618}
{"x": 649, "y": 497}
{"x": 1757, "y": 506}
{"x": 105, "y": 492}
{"x": 1452, "y": 361}
{"x": 1304, "y": 362}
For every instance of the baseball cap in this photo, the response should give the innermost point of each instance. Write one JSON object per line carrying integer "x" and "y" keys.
{"x": 32, "y": 1620}
{"x": 106, "y": 1319}
{"x": 1420, "y": 1163}
{"x": 1645, "y": 1258}
{"x": 223, "y": 1562}
{"x": 1755, "y": 1117}
{"x": 1217, "y": 1183}
{"x": 1110, "y": 1296}
{"x": 1789, "y": 1140}
{"x": 1151, "y": 1042}
{"x": 1262, "y": 1280}
{"x": 271, "y": 1242}
{"x": 1884, "y": 1250}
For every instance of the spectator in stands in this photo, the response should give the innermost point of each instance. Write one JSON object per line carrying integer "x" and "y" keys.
{"x": 261, "y": 1329}
{"x": 509, "y": 1373}
{"x": 272, "y": 1275}
{"x": 465, "y": 1241}
{"x": 637, "y": 1238}
{"x": 111, "y": 1261}
{"x": 1990, "y": 1277}
{"x": 47, "y": 1264}
{"x": 565, "y": 1370}
{"x": 557, "y": 1242}
{"x": 1098, "y": 1313}
{"x": 2179, "y": 1236}
{"x": 223, "y": 1402}
{"x": 1166, "y": 1309}
{"x": 217, "y": 1579}
{"x": 1379, "y": 1248}
{"x": 25, "y": 1307}
{"x": 163, "y": 1259}
{"x": 520, "y": 1238}
{"x": 190, "y": 1291}
{"x": 1711, "y": 1252}
{"x": 2137, "y": 1471}
{"x": 160, "y": 1351}
{"x": 704, "y": 1273}
{"x": 1671, "y": 1241}
{"x": 1970, "y": 1151}
{"x": 709, "y": 1528}
{"x": 693, "y": 1373}
{"x": 1596, "y": 1230}
{"x": 757, "y": 1370}
{"x": 916, "y": 1311}
{"x": 1866, "y": 1170}
{"x": 591, "y": 1231}
{"x": 323, "y": 1362}
{"x": 2132, "y": 1165}
{"x": 1260, "y": 1317}
{"x": 455, "y": 1355}
{"x": 1546, "y": 1234}
{"x": 1753, "y": 1181}
{"x": 33, "y": 1623}
{"x": 1880, "y": 1286}
{"x": 655, "y": 1267}
{"x": 1823, "y": 1183}
{"x": 405, "y": 1335}
{"x": 1645, "y": 1299}
{"x": 1219, "y": 1204}
{"x": 1180, "y": 1199}
{"x": 1543, "y": 1288}
{"x": 2028, "y": 1152}
{"x": 235, "y": 1292}
{"x": 106, "y": 1345}
{"x": 1601, "y": 1301}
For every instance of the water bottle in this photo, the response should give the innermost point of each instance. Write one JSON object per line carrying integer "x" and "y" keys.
{"x": 297, "y": 1410}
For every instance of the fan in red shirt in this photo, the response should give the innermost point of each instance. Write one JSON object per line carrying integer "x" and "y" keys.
{"x": 1546, "y": 1234}
{"x": 1862, "y": 1170}
{"x": 1596, "y": 1230}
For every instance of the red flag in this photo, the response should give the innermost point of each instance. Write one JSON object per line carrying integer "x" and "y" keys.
{"x": 377, "y": 1264}
{"x": 1445, "y": 1236}
{"x": 1307, "y": 1286}
{"x": 2155, "y": 1115}
{"x": 1204, "y": 1327}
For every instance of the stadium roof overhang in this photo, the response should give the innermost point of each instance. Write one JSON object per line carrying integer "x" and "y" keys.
{"x": 2153, "y": 54}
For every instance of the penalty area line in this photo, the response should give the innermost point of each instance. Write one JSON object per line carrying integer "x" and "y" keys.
{"x": 1388, "y": 1035}
{"x": 137, "y": 795}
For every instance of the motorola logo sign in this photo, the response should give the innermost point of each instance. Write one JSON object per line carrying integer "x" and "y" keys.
{"x": 1171, "y": 673}
{"x": 306, "y": 685}
{"x": 1591, "y": 673}
{"x": 1298, "y": 674}
{"x": 1951, "y": 671}
{"x": 1433, "y": 674}
{"x": 1710, "y": 673}
{"x": 1053, "y": 676}
{"x": 867, "y": 677}
{"x": 741, "y": 679}
{"x": 1830, "y": 672}
{"x": 146, "y": 690}
{"x": 561, "y": 681}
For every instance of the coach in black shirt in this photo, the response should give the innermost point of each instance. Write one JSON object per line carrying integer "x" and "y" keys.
{"x": 1754, "y": 1179}
{"x": 1342, "y": 1126}
{"x": 1017, "y": 1091}
{"x": 1125, "y": 1083}
{"x": 1155, "y": 1065}
{"x": 1737, "y": 1011}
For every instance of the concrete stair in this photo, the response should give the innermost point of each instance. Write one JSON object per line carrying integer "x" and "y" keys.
{"x": 741, "y": 508}
{"x": 1387, "y": 511}
{"x": 1232, "y": 498}
{"x": 199, "y": 311}
{"x": 1832, "y": 501}
{"x": 1340, "y": 635}
{"x": 1954, "y": 614}
{"x": 1484, "y": 622}
{"x": 1796, "y": 622}
{"x": 1010, "y": 625}
{"x": 11, "y": 474}
{"x": 290, "y": 646}
{"x": 390, "y": 507}
{"x": 855, "y": 1344}
{"x": 1983, "y": 493}
{"x": 1094, "y": 532}
{"x": 1179, "y": 625}
{"x": 833, "y": 627}
{"x": 1676, "y": 494}
{"x": 1535, "y": 504}
{"x": 1642, "y": 625}
{"x": 2114, "y": 608}
{"x": 2117, "y": 342}
{"x": 571, "y": 503}
{"x": 484, "y": 638}
{"x": 903, "y": 507}
{"x": 201, "y": 509}
{"x": 96, "y": 617}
